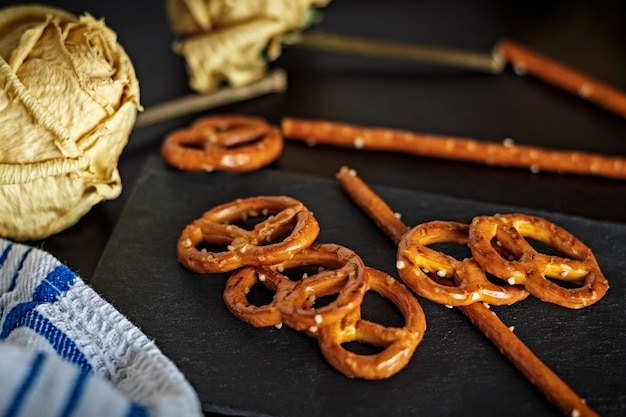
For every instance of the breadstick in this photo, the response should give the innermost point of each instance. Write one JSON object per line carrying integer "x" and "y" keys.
{"x": 537, "y": 372}
{"x": 506, "y": 153}
{"x": 525, "y": 60}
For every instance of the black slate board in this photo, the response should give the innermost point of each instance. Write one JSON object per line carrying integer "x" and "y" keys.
{"x": 240, "y": 370}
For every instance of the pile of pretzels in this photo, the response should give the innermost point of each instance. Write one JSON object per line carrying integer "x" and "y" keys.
{"x": 263, "y": 240}
{"x": 504, "y": 266}
{"x": 499, "y": 247}
{"x": 260, "y": 239}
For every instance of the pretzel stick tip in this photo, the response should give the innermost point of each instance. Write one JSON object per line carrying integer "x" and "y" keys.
{"x": 535, "y": 370}
{"x": 525, "y": 60}
{"x": 507, "y": 153}
{"x": 386, "y": 219}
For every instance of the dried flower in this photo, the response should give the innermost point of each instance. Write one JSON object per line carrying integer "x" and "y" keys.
{"x": 69, "y": 97}
{"x": 231, "y": 41}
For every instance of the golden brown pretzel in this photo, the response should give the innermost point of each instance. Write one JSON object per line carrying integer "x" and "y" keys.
{"x": 239, "y": 285}
{"x": 506, "y": 153}
{"x": 398, "y": 343}
{"x": 470, "y": 283}
{"x": 485, "y": 319}
{"x": 289, "y": 228}
{"x": 339, "y": 271}
{"x": 223, "y": 143}
{"x": 532, "y": 269}
{"x": 442, "y": 278}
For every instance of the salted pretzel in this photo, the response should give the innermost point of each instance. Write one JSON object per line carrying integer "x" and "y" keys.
{"x": 223, "y": 143}
{"x": 537, "y": 271}
{"x": 506, "y": 153}
{"x": 485, "y": 319}
{"x": 285, "y": 227}
{"x": 398, "y": 344}
{"x": 339, "y": 272}
{"x": 442, "y": 278}
{"x": 239, "y": 285}
{"x": 432, "y": 274}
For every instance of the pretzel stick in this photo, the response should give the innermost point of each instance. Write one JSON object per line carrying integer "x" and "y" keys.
{"x": 466, "y": 149}
{"x": 552, "y": 72}
{"x": 274, "y": 82}
{"x": 537, "y": 372}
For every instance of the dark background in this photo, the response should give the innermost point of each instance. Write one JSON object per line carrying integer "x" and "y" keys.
{"x": 587, "y": 35}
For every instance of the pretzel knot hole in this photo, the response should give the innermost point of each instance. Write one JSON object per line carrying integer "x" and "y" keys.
{"x": 259, "y": 294}
{"x": 379, "y": 309}
{"x": 361, "y": 348}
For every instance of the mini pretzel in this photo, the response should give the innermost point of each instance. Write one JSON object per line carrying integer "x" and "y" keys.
{"x": 506, "y": 153}
{"x": 223, "y": 143}
{"x": 399, "y": 343}
{"x": 426, "y": 270}
{"x": 531, "y": 268}
{"x": 289, "y": 228}
{"x": 239, "y": 285}
{"x": 537, "y": 372}
{"x": 525, "y": 60}
{"x": 340, "y": 272}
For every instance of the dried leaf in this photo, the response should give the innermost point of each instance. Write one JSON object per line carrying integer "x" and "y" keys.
{"x": 231, "y": 41}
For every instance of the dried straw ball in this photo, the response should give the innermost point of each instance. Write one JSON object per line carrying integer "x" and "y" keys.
{"x": 231, "y": 41}
{"x": 69, "y": 97}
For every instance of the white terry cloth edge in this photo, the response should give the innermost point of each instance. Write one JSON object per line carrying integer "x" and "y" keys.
{"x": 58, "y": 322}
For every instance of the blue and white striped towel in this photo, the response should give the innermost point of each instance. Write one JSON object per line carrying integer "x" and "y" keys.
{"x": 64, "y": 351}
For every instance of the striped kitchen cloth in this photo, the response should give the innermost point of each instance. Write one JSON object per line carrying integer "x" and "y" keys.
{"x": 64, "y": 351}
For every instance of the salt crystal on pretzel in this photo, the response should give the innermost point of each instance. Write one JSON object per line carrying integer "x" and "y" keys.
{"x": 537, "y": 372}
{"x": 506, "y": 154}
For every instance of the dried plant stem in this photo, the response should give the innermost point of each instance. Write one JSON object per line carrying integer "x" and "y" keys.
{"x": 274, "y": 82}
{"x": 476, "y": 61}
